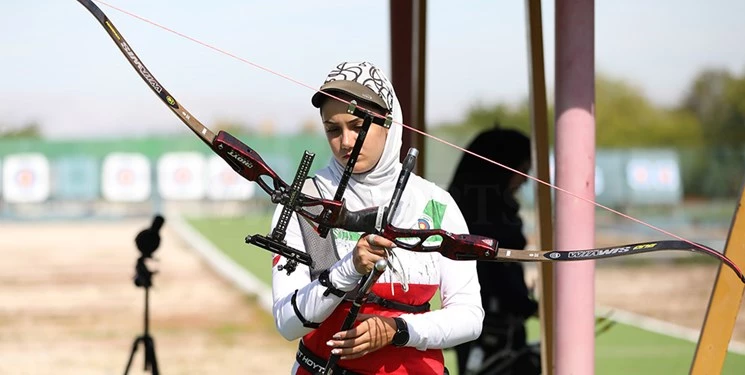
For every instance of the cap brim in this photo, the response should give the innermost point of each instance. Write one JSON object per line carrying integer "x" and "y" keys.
{"x": 354, "y": 89}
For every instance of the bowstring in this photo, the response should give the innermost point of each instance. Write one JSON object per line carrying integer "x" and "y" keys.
{"x": 300, "y": 83}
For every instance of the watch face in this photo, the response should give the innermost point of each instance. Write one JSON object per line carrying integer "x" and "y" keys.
{"x": 401, "y": 337}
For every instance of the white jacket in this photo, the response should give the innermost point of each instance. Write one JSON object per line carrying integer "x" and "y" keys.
{"x": 423, "y": 205}
{"x": 461, "y": 316}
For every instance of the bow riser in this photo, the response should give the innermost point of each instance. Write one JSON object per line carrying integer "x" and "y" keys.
{"x": 247, "y": 163}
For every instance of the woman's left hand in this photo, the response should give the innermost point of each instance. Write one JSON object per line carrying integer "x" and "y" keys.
{"x": 373, "y": 333}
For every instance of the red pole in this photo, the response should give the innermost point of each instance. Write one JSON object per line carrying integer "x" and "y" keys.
{"x": 408, "y": 41}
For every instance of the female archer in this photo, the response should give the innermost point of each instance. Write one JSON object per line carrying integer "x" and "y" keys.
{"x": 396, "y": 333}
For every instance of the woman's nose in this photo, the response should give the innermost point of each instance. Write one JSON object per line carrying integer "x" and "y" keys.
{"x": 348, "y": 138}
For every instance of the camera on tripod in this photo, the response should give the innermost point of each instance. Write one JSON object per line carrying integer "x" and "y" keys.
{"x": 147, "y": 242}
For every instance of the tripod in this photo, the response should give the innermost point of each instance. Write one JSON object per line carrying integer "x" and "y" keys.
{"x": 151, "y": 362}
{"x": 147, "y": 242}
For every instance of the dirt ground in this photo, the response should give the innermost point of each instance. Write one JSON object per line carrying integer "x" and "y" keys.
{"x": 68, "y": 304}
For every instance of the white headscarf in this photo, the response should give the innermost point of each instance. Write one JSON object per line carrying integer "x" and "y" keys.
{"x": 374, "y": 187}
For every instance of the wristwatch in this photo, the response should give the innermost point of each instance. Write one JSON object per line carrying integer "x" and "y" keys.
{"x": 401, "y": 337}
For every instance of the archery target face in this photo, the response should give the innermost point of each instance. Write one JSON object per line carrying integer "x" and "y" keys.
{"x": 126, "y": 177}
{"x": 653, "y": 175}
{"x": 223, "y": 183}
{"x": 26, "y": 178}
{"x": 181, "y": 176}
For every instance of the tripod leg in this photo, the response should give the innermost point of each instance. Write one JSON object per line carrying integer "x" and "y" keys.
{"x": 132, "y": 354}
{"x": 150, "y": 360}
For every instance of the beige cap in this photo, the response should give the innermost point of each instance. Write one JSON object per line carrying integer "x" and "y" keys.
{"x": 353, "y": 88}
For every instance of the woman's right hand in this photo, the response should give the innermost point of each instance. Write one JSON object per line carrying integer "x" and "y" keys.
{"x": 370, "y": 249}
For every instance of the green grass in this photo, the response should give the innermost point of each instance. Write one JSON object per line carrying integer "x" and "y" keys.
{"x": 229, "y": 235}
{"x": 621, "y": 350}
{"x": 625, "y": 349}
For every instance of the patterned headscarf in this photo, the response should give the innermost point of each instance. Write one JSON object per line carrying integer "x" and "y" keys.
{"x": 374, "y": 187}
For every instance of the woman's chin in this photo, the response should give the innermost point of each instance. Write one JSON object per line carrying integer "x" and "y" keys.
{"x": 361, "y": 166}
{"x": 360, "y": 170}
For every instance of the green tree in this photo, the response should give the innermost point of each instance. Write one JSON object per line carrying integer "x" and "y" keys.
{"x": 482, "y": 116}
{"x": 717, "y": 99}
{"x": 28, "y": 130}
{"x": 624, "y": 117}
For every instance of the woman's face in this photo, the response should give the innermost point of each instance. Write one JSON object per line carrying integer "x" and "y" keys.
{"x": 341, "y": 131}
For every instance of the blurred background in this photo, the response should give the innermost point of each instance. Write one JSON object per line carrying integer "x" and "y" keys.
{"x": 88, "y": 155}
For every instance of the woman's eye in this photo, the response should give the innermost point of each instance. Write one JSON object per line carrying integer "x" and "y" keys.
{"x": 332, "y": 130}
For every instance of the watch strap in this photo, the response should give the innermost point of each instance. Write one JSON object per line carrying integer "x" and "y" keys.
{"x": 401, "y": 337}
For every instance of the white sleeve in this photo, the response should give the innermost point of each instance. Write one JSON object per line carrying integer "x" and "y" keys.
{"x": 310, "y": 301}
{"x": 461, "y": 317}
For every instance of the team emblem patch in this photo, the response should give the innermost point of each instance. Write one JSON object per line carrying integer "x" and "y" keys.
{"x": 424, "y": 222}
